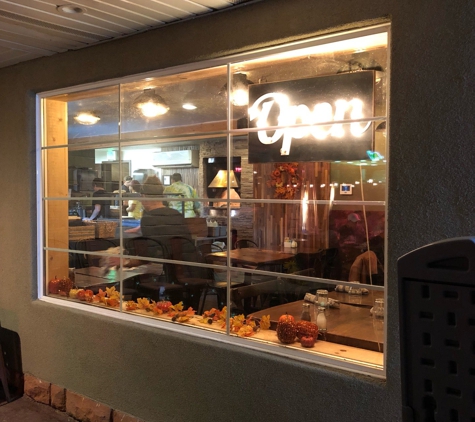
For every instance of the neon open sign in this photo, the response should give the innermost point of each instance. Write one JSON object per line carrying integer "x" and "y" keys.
{"x": 309, "y": 102}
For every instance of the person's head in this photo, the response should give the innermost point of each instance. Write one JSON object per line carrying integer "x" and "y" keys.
{"x": 353, "y": 219}
{"x": 97, "y": 183}
{"x": 176, "y": 177}
{"x": 135, "y": 186}
{"x": 152, "y": 187}
{"x": 127, "y": 181}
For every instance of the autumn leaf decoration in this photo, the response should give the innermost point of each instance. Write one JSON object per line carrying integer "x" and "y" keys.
{"x": 285, "y": 180}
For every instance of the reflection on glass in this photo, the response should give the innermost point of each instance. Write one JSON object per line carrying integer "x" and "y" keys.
{"x": 223, "y": 240}
{"x": 378, "y": 321}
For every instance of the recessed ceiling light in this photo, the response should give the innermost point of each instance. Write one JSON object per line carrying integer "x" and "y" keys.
{"x": 87, "y": 118}
{"x": 70, "y": 9}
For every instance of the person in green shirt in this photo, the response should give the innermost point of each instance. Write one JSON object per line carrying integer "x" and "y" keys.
{"x": 189, "y": 209}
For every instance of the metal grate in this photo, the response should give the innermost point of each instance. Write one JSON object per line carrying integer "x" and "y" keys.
{"x": 437, "y": 311}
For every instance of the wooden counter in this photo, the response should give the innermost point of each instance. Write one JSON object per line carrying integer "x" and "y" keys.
{"x": 349, "y": 325}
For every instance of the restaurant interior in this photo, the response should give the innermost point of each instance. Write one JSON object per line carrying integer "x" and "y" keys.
{"x": 297, "y": 233}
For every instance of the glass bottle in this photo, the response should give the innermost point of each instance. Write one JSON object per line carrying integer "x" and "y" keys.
{"x": 306, "y": 312}
{"x": 80, "y": 210}
{"x": 321, "y": 320}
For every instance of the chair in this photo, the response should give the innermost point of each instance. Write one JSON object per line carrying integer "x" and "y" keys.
{"x": 82, "y": 260}
{"x": 154, "y": 284}
{"x": 218, "y": 283}
{"x": 367, "y": 269}
{"x": 195, "y": 280}
{"x": 255, "y": 297}
{"x": 327, "y": 264}
{"x": 245, "y": 243}
{"x": 207, "y": 248}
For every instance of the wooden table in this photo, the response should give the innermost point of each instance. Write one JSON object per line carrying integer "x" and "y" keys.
{"x": 366, "y": 301}
{"x": 349, "y": 325}
{"x": 254, "y": 257}
{"x": 93, "y": 277}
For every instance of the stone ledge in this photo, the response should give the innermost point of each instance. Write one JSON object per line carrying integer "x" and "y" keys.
{"x": 79, "y": 407}
{"x": 37, "y": 389}
{"x": 85, "y": 409}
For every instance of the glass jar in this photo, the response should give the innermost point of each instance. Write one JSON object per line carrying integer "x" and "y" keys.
{"x": 322, "y": 298}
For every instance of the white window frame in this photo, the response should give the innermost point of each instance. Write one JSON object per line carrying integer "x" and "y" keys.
{"x": 329, "y": 361}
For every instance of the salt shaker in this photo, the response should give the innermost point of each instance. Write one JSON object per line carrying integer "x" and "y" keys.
{"x": 321, "y": 320}
{"x": 305, "y": 312}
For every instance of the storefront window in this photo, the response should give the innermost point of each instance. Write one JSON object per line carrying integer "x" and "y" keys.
{"x": 244, "y": 199}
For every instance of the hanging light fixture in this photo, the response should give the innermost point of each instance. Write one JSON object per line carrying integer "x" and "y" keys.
{"x": 239, "y": 90}
{"x": 86, "y": 118}
{"x": 151, "y": 104}
{"x": 221, "y": 181}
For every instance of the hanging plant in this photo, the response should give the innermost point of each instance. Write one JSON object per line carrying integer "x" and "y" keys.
{"x": 285, "y": 180}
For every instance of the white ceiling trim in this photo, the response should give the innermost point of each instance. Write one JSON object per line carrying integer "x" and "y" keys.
{"x": 34, "y": 28}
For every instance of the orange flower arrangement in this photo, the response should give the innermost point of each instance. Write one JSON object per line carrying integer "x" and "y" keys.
{"x": 285, "y": 180}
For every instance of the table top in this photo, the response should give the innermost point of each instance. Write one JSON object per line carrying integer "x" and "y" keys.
{"x": 348, "y": 325}
{"x": 95, "y": 276}
{"x": 357, "y": 300}
{"x": 254, "y": 256}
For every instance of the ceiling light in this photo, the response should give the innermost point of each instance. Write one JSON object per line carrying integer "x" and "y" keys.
{"x": 87, "y": 118}
{"x": 192, "y": 100}
{"x": 151, "y": 104}
{"x": 189, "y": 106}
{"x": 70, "y": 9}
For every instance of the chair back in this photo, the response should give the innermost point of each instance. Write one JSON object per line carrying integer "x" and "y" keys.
{"x": 245, "y": 243}
{"x": 183, "y": 249}
{"x": 327, "y": 264}
{"x": 207, "y": 248}
{"x": 255, "y": 297}
{"x": 83, "y": 260}
{"x": 147, "y": 247}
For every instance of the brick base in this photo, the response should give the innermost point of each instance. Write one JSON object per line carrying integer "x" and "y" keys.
{"x": 79, "y": 407}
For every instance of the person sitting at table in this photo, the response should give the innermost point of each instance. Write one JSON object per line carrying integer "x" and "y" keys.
{"x": 158, "y": 221}
{"x": 168, "y": 226}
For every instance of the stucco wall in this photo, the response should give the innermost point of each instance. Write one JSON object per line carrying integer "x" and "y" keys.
{"x": 161, "y": 376}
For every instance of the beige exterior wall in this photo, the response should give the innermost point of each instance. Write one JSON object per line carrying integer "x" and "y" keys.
{"x": 161, "y": 376}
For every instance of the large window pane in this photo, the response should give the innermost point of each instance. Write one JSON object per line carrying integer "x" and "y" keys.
{"x": 252, "y": 190}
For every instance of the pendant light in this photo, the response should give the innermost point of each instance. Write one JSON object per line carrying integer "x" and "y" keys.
{"x": 239, "y": 90}
{"x": 151, "y": 104}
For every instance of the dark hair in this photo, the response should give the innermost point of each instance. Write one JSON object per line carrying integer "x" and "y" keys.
{"x": 98, "y": 182}
{"x": 176, "y": 177}
{"x": 152, "y": 186}
{"x": 127, "y": 178}
{"x": 135, "y": 184}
